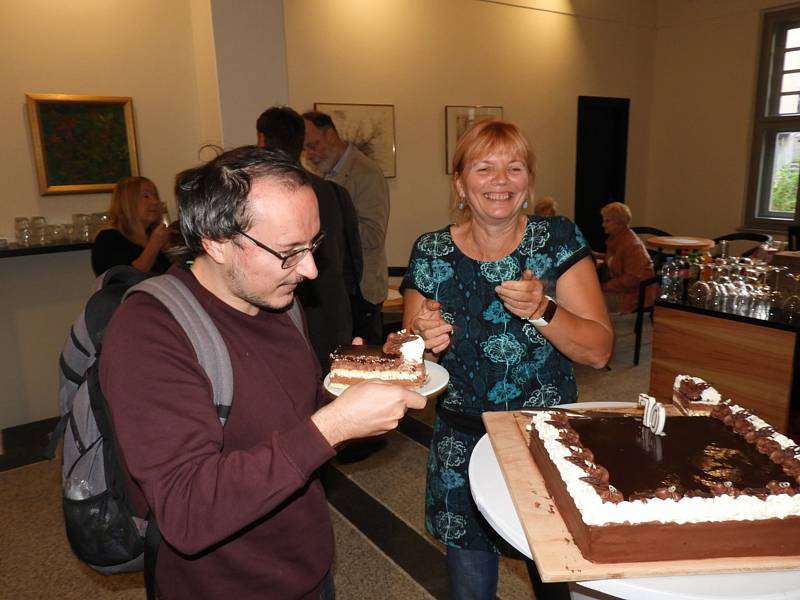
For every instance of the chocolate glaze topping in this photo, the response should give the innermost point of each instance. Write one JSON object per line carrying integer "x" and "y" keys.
{"x": 691, "y": 389}
{"x": 699, "y": 456}
{"x": 363, "y": 355}
{"x": 394, "y": 340}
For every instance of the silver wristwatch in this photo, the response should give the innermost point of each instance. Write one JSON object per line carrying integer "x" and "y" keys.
{"x": 547, "y": 315}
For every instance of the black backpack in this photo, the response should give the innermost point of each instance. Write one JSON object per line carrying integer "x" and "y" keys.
{"x": 100, "y": 524}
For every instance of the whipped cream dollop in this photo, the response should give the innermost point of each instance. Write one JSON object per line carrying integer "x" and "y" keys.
{"x": 408, "y": 345}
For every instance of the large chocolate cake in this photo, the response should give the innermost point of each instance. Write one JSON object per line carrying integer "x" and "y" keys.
{"x": 724, "y": 484}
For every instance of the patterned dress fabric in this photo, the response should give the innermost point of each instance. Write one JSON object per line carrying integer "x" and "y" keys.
{"x": 496, "y": 361}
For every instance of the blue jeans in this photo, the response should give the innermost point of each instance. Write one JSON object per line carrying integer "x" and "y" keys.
{"x": 327, "y": 592}
{"x": 472, "y": 575}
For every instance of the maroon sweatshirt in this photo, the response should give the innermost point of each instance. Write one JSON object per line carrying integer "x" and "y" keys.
{"x": 241, "y": 509}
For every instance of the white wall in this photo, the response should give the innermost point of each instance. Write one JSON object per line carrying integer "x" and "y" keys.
{"x": 703, "y": 101}
{"x": 140, "y": 49}
{"x": 421, "y": 55}
{"x": 251, "y": 64}
{"x": 143, "y": 49}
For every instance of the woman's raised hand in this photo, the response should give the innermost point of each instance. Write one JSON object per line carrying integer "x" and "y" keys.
{"x": 431, "y": 326}
{"x": 523, "y": 297}
{"x": 159, "y": 236}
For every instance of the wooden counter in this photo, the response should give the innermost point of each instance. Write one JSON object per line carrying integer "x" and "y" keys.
{"x": 754, "y": 363}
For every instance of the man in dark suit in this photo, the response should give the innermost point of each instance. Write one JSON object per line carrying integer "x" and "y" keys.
{"x": 340, "y": 161}
{"x": 328, "y": 299}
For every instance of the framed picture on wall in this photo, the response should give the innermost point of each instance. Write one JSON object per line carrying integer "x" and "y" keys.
{"x": 370, "y": 127}
{"x": 82, "y": 144}
{"x": 457, "y": 119}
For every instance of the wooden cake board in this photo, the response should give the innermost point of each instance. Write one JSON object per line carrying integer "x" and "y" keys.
{"x": 554, "y": 551}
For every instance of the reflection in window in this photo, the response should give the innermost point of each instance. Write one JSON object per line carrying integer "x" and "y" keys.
{"x": 785, "y": 168}
{"x": 775, "y": 166}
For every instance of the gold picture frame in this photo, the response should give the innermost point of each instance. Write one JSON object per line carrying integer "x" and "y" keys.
{"x": 370, "y": 127}
{"x": 82, "y": 144}
{"x": 457, "y": 119}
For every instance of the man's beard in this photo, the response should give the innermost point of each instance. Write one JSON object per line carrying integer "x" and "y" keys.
{"x": 235, "y": 279}
{"x": 321, "y": 169}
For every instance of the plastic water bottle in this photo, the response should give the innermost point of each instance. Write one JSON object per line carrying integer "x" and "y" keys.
{"x": 669, "y": 277}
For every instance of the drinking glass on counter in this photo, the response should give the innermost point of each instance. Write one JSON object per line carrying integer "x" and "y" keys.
{"x": 55, "y": 234}
{"x": 22, "y": 231}
{"x": 97, "y": 221}
{"x": 82, "y": 231}
{"x": 776, "y": 296}
{"x": 791, "y": 306}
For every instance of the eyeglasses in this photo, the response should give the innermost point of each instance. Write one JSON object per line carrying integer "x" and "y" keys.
{"x": 292, "y": 258}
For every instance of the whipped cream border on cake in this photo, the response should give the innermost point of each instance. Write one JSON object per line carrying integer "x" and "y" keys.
{"x": 710, "y": 395}
{"x": 595, "y": 511}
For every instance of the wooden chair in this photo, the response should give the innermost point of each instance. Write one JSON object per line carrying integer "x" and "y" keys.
{"x": 644, "y": 232}
{"x": 640, "y": 310}
{"x": 794, "y": 237}
{"x": 760, "y": 238}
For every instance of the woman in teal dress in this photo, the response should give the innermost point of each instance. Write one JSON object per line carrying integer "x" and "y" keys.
{"x": 507, "y": 301}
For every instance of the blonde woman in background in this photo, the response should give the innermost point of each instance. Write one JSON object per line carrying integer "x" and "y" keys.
{"x": 135, "y": 235}
{"x": 545, "y": 206}
{"x": 626, "y": 258}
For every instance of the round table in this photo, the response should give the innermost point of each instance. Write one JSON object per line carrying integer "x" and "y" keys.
{"x": 679, "y": 242}
{"x": 491, "y": 494}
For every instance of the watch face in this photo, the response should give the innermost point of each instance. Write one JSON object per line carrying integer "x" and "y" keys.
{"x": 550, "y": 310}
{"x": 547, "y": 315}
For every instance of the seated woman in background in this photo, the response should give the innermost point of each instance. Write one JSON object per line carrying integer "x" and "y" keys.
{"x": 545, "y": 207}
{"x": 135, "y": 235}
{"x": 626, "y": 258}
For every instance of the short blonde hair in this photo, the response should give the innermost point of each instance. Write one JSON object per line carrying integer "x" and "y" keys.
{"x": 123, "y": 214}
{"x": 481, "y": 139}
{"x": 617, "y": 212}
{"x": 545, "y": 206}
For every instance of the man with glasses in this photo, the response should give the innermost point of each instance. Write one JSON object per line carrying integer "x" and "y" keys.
{"x": 240, "y": 508}
{"x": 340, "y": 161}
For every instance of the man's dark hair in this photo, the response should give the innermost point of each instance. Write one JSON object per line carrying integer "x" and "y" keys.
{"x": 212, "y": 198}
{"x": 283, "y": 129}
{"x": 320, "y": 119}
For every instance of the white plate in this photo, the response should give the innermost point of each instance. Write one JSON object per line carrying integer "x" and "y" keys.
{"x": 436, "y": 380}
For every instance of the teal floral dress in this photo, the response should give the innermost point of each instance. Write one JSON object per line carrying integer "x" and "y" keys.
{"x": 496, "y": 361}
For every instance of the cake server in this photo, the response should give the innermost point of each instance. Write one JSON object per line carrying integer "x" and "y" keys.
{"x": 589, "y": 414}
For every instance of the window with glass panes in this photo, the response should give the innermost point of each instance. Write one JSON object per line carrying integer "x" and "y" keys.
{"x": 772, "y": 199}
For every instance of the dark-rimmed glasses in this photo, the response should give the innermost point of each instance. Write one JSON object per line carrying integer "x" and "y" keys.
{"x": 290, "y": 259}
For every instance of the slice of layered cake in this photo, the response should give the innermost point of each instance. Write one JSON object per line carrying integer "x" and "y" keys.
{"x": 400, "y": 361}
{"x": 694, "y": 396}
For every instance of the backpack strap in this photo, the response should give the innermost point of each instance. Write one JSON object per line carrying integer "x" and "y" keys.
{"x": 297, "y": 319}
{"x": 210, "y": 348}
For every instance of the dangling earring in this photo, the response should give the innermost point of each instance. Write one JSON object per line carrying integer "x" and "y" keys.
{"x": 525, "y": 204}
{"x": 461, "y": 204}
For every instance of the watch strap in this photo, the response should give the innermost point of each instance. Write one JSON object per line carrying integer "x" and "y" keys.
{"x": 547, "y": 315}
